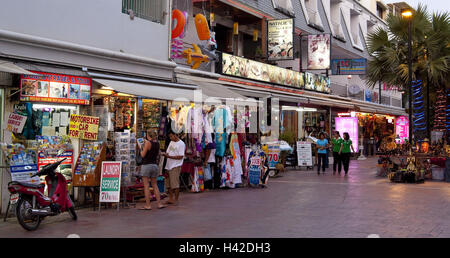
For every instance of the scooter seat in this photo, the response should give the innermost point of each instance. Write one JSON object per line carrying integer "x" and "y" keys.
{"x": 27, "y": 185}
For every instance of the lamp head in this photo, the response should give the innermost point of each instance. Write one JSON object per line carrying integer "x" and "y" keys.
{"x": 407, "y": 13}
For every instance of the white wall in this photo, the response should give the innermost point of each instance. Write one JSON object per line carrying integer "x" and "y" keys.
{"x": 98, "y": 23}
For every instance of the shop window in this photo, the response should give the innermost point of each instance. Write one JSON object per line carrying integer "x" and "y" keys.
{"x": 152, "y": 10}
{"x": 284, "y": 6}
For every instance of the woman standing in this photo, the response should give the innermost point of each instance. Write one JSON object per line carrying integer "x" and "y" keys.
{"x": 344, "y": 151}
{"x": 336, "y": 142}
{"x": 149, "y": 168}
{"x": 322, "y": 145}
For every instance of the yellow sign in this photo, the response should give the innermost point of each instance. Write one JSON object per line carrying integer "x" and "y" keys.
{"x": 84, "y": 127}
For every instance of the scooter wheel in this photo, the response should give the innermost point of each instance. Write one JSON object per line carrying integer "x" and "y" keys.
{"x": 72, "y": 213}
{"x": 26, "y": 219}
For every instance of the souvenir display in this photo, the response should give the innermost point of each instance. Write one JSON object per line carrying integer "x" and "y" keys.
{"x": 88, "y": 158}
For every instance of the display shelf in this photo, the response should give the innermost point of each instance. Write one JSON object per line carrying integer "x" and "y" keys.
{"x": 89, "y": 179}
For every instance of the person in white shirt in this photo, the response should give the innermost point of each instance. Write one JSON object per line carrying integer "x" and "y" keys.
{"x": 175, "y": 156}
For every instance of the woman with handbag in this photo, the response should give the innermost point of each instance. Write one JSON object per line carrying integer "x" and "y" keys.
{"x": 150, "y": 169}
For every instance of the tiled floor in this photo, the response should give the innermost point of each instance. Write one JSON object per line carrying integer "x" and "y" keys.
{"x": 298, "y": 204}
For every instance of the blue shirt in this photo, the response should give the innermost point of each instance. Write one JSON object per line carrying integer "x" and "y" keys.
{"x": 322, "y": 143}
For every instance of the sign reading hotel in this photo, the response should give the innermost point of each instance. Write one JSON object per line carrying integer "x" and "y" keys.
{"x": 15, "y": 122}
{"x": 84, "y": 127}
{"x": 55, "y": 88}
{"x": 280, "y": 39}
{"x": 110, "y": 181}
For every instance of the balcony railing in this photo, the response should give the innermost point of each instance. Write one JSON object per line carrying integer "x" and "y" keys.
{"x": 152, "y": 10}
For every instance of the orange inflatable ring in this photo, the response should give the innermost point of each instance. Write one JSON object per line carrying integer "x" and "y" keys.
{"x": 201, "y": 24}
{"x": 181, "y": 22}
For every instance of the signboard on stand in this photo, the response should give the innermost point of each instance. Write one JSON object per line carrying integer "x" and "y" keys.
{"x": 273, "y": 154}
{"x": 304, "y": 154}
{"x": 110, "y": 181}
{"x": 254, "y": 170}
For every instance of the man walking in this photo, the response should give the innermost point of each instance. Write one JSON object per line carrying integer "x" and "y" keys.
{"x": 175, "y": 156}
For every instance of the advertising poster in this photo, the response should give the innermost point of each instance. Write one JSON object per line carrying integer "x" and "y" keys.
{"x": 44, "y": 159}
{"x": 280, "y": 39}
{"x": 110, "y": 181}
{"x": 349, "y": 125}
{"x": 317, "y": 82}
{"x": 15, "y": 122}
{"x": 249, "y": 69}
{"x": 304, "y": 154}
{"x": 348, "y": 66}
{"x": 84, "y": 127}
{"x": 55, "y": 88}
{"x": 319, "y": 51}
{"x": 273, "y": 154}
{"x": 402, "y": 128}
{"x": 24, "y": 173}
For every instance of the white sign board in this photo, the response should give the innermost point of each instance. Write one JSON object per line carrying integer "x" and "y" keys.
{"x": 304, "y": 154}
{"x": 15, "y": 122}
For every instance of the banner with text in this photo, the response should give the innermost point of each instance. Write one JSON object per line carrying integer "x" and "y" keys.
{"x": 15, "y": 122}
{"x": 84, "y": 127}
{"x": 56, "y": 88}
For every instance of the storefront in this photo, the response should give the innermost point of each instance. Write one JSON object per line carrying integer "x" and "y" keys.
{"x": 375, "y": 130}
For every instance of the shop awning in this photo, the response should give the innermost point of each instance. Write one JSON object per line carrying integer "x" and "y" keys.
{"x": 149, "y": 90}
{"x": 9, "y": 67}
{"x": 218, "y": 91}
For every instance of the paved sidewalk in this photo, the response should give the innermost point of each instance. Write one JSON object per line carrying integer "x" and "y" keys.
{"x": 298, "y": 204}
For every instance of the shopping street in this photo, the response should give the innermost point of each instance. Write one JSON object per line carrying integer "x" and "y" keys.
{"x": 298, "y": 204}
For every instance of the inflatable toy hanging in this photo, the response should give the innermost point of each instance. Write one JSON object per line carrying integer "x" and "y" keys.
{"x": 181, "y": 22}
{"x": 201, "y": 25}
{"x": 195, "y": 57}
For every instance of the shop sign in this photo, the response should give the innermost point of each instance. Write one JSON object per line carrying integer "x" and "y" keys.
{"x": 84, "y": 127}
{"x": 319, "y": 52}
{"x": 348, "y": 66}
{"x": 110, "y": 181}
{"x": 402, "y": 128}
{"x": 55, "y": 88}
{"x": 348, "y": 125}
{"x": 24, "y": 173}
{"x": 280, "y": 39}
{"x": 304, "y": 154}
{"x": 15, "y": 122}
{"x": 249, "y": 69}
{"x": 254, "y": 171}
{"x": 273, "y": 154}
{"x": 44, "y": 159}
{"x": 317, "y": 82}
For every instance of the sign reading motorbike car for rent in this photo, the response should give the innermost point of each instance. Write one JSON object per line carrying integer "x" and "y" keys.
{"x": 110, "y": 181}
{"x": 84, "y": 127}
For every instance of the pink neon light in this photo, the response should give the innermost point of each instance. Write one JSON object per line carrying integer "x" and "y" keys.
{"x": 349, "y": 125}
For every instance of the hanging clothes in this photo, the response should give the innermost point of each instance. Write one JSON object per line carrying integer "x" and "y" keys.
{"x": 220, "y": 122}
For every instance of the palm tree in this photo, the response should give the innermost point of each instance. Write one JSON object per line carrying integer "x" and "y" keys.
{"x": 430, "y": 52}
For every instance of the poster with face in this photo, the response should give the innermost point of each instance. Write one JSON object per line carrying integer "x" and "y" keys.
{"x": 319, "y": 51}
{"x": 280, "y": 39}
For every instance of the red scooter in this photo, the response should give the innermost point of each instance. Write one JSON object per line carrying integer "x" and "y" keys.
{"x": 33, "y": 205}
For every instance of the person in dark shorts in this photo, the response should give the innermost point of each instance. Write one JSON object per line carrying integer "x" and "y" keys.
{"x": 150, "y": 169}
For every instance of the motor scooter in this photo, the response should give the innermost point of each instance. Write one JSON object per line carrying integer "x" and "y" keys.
{"x": 33, "y": 205}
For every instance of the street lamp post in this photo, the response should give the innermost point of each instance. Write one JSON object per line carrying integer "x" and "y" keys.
{"x": 408, "y": 15}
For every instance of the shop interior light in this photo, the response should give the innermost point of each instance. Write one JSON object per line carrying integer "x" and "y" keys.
{"x": 106, "y": 88}
{"x": 40, "y": 106}
{"x": 299, "y": 109}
